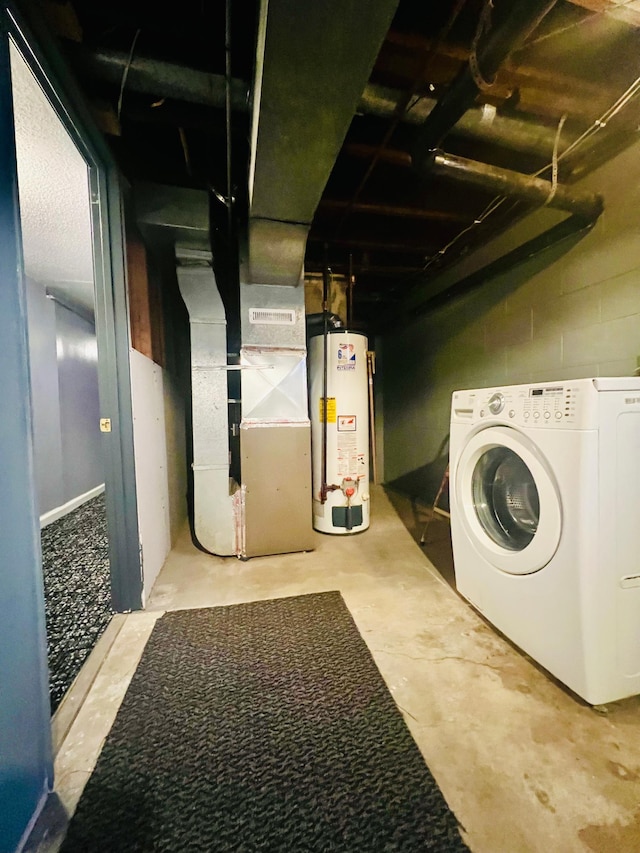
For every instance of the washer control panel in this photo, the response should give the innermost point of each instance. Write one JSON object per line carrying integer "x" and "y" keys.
{"x": 548, "y": 406}
{"x": 496, "y": 403}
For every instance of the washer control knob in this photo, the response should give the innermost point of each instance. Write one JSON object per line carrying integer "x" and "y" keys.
{"x": 536, "y": 415}
{"x": 496, "y": 403}
{"x": 526, "y": 415}
{"x": 512, "y": 413}
{"x": 558, "y": 416}
{"x": 547, "y": 415}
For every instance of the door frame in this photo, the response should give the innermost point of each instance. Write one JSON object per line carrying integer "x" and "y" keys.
{"x": 111, "y": 307}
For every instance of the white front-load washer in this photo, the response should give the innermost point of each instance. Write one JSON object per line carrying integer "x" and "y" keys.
{"x": 545, "y": 524}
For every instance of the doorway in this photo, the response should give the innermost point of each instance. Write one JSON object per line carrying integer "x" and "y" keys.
{"x": 57, "y": 245}
{"x": 62, "y": 260}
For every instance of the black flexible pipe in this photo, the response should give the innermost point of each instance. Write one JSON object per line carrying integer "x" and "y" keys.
{"x": 227, "y": 106}
{"x": 350, "y": 302}
{"x": 315, "y": 323}
{"x": 325, "y": 329}
{"x": 574, "y": 227}
{"x": 503, "y": 37}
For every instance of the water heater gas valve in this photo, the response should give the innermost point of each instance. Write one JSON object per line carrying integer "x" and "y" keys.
{"x": 349, "y": 487}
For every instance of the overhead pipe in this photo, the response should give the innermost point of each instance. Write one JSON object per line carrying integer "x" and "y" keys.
{"x": 165, "y": 79}
{"x": 487, "y": 56}
{"x": 582, "y": 203}
{"x": 488, "y": 52}
{"x": 513, "y": 133}
{"x": 158, "y": 78}
{"x": 572, "y": 227}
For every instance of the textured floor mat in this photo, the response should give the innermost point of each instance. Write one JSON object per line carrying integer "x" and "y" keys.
{"x": 75, "y": 563}
{"x": 261, "y": 727}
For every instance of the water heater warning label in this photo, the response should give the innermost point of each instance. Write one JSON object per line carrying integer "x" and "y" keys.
{"x": 346, "y": 357}
{"x": 347, "y": 455}
{"x": 346, "y": 423}
{"x": 331, "y": 410}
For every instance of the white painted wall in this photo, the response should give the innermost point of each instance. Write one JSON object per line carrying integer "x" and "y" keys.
{"x": 160, "y": 459}
{"x": 53, "y": 184}
{"x": 574, "y": 315}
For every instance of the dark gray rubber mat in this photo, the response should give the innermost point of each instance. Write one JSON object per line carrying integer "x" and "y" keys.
{"x": 261, "y": 727}
{"x": 75, "y": 564}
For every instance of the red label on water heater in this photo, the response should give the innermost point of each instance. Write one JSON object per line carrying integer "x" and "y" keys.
{"x": 346, "y": 423}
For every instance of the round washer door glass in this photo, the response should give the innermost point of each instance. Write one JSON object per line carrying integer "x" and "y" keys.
{"x": 505, "y": 498}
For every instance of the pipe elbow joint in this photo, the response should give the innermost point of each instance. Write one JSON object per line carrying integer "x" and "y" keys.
{"x": 423, "y": 159}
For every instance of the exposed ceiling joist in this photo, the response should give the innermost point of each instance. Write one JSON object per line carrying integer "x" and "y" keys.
{"x": 395, "y": 210}
{"x": 401, "y": 231}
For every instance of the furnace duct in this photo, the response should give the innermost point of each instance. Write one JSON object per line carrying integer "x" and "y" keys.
{"x": 214, "y": 492}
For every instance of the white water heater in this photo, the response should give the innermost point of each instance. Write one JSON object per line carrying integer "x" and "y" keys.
{"x": 341, "y": 450}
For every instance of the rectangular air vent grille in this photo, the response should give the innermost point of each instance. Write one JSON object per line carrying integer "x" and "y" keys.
{"x": 272, "y": 316}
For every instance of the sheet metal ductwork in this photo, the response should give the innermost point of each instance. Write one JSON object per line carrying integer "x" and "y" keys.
{"x": 310, "y": 74}
{"x": 179, "y": 218}
{"x": 214, "y": 493}
{"x": 309, "y": 78}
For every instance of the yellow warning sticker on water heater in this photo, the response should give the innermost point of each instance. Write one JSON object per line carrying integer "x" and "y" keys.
{"x": 331, "y": 410}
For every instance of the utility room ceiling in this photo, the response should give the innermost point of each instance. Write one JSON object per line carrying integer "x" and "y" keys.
{"x": 568, "y": 83}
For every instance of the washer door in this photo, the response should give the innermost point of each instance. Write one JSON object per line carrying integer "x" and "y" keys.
{"x": 508, "y": 501}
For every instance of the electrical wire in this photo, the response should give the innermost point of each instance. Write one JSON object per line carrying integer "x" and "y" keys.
{"x": 627, "y": 96}
{"x": 554, "y": 161}
{"x": 631, "y": 92}
{"x": 185, "y": 150}
{"x": 125, "y": 73}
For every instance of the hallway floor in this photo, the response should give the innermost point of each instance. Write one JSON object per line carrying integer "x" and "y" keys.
{"x": 75, "y": 566}
{"x": 526, "y": 766}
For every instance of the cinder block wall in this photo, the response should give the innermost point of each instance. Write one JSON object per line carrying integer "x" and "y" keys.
{"x": 573, "y": 313}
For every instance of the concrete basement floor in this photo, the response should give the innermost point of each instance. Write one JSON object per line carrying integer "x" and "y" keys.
{"x": 525, "y": 765}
